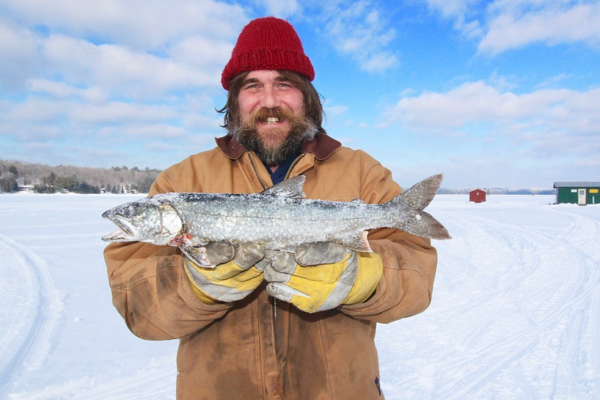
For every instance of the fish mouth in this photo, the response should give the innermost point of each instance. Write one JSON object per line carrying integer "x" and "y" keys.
{"x": 126, "y": 231}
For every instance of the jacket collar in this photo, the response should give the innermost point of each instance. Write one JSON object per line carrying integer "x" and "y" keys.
{"x": 322, "y": 146}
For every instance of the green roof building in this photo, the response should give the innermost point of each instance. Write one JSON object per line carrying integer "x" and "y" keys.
{"x": 581, "y": 193}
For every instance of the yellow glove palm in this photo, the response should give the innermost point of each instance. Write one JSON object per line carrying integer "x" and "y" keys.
{"x": 321, "y": 276}
{"x": 232, "y": 279}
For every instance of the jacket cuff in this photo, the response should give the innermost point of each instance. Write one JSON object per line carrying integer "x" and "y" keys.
{"x": 187, "y": 293}
{"x": 405, "y": 287}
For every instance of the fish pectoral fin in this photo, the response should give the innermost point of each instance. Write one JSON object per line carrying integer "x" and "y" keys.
{"x": 291, "y": 188}
{"x": 197, "y": 254}
{"x": 358, "y": 242}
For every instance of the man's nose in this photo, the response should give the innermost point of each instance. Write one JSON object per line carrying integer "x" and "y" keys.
{"x": 269, "y": 98}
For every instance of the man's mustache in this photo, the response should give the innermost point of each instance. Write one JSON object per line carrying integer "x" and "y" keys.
{"x": 263, "y": 114}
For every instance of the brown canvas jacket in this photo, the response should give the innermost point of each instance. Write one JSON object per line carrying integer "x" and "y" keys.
{"x": 257, "y": 348}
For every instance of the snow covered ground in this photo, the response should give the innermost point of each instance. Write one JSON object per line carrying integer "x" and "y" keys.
{"x": 515, "y": 313}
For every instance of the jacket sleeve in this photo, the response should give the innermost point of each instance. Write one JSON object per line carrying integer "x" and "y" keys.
{"x": 151, "y": 291}
{"x": 409, "y": 262}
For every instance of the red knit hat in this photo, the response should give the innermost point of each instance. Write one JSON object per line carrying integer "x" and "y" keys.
{"x": 267, "y": 43}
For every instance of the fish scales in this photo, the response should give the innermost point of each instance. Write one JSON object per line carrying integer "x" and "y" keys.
{"x": 275, "y": 222}
{"x": 278, "y": 218}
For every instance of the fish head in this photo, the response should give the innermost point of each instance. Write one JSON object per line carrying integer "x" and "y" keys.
{"x": 144, "y": 221}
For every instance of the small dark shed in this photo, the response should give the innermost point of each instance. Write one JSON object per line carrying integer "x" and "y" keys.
{"x": 477, "y": 195}
{"x": 581, "y": 193}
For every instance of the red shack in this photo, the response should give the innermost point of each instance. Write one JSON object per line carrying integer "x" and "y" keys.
{"x": 477, "y": 195}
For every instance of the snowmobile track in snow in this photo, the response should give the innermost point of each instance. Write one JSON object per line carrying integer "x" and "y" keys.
{"x": 37, "y": 311}
{"x": 515, "y": 313}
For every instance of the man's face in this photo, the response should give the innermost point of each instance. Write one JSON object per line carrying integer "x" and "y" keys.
{"x": 267, "y": 100}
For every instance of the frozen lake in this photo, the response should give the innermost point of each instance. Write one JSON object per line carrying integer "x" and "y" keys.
{"x": 515, "y": 312}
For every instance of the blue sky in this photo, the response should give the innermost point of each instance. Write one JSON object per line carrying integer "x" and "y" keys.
{"x": 499, "y": 93}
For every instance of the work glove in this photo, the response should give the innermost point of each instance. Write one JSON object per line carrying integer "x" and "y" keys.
{"x": 220, "y": 271}
{"x": 321, "y": 276}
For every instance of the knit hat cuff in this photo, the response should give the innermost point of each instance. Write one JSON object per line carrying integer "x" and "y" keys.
{"x": 268, "y": 59}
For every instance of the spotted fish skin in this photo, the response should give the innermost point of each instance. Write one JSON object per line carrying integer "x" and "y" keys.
{"x": 277, "y": 218}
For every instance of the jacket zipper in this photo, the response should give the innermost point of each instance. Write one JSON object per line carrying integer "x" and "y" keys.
{"x": 289, "y": 172}
{"x": 265, "y": 186}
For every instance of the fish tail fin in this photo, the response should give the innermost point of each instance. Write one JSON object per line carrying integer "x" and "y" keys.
{"x": 412, "y": 202}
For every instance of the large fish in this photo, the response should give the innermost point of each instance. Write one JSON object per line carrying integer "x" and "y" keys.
{"x": 277, "y": 218}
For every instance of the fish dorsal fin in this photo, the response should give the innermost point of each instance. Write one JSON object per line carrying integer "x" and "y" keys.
{"x": 422, "y": 193}
{"x": 289, "y": 188}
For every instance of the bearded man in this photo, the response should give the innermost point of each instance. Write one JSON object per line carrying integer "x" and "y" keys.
{"x": 278, "y": 324}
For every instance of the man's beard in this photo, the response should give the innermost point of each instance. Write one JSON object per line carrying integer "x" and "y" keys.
{"x": 247, "y": 135}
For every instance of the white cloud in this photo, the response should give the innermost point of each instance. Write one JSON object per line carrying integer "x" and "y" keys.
{"x": 18, "y": 55}
{"x": 132, "y": 48}
{"x": 202, "y": 52}
{"x": 459, "y": 11}
{"x": 129, "y": 48}
{"x": 468, "y": 102}
{"x": 361, "y": 32}
{"x": 145, "y": 131}
{"x": 503, "y": 25}
{"x": 44, "y": 118}
{"x": 551, "y": 24}
{"x": 141, "y": 24}
{"x": 160, "y": 146}
{"x": 450, "y": 8}
{"x": 61, "y": 90}
{"x": 336, "y": 110}
{"x": 548, "y": 121}
{"x": 553, "y": 80}
{"x": 380, "y": 62}
{"x": 105, "y": 78}
{"x": 31, "y": 112}
{"x": 119, "y": 113}
{"x": 120, "y": 70}
{"x": 198, "y": 121}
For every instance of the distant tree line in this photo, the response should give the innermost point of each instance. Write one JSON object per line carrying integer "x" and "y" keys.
{"x": 49, "y": 179}
{"x": 499, "y": 191}
{"x": 67, "y": 178}
{"x": 8, "y": 178}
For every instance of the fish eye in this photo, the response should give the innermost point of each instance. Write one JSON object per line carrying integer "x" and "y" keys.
{"x": 130, "y": 211}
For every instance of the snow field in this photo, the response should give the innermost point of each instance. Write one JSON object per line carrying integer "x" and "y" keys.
{"x": 515, "y": 306}
{"x": 515, "y": 311}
